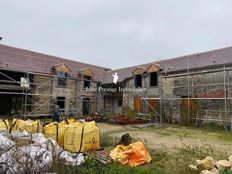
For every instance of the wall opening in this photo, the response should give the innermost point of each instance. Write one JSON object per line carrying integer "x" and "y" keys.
{"x": 87, "y": 81}
{"x": 62, "y": 79}
{"x": 153, "y": 79}
{"x": 138, "y": 81}
{"x": 61, "y": 103}
{"x": 119, "y": 102}
{"x": 86, "y": 106}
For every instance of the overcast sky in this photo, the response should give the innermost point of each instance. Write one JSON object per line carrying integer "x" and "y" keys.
{"x": 116, "y": 33}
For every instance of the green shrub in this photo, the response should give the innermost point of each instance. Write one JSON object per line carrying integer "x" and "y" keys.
{"x": 126, "y": 110}
{"x": 226, "y": 172}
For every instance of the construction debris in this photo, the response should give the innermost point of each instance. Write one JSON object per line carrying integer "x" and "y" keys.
{"x": 25, "y": 159}
{"x": 223, "y": 165}
{"x": 207, "y": 163}
{"x": 193, "y": 167}
{"x": 5, "y": 143}
{"x": 211, "y": 166}
{"x": 97, "y": 117}
{"x": 36, "y": 157}
{"x": 21, "y": 138}
{"x": 122, "y": 119}
{"x": 230, "y": 159}
{"x": 72, "y": 158}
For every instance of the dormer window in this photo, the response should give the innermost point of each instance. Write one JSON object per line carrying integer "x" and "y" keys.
{"x": 138, "y": 81}
{"x": 138, "y": 76}
{"x": 62, "y": 73}
{"x": 61, "y": 81}
{"x": 153, "y": 79}
{"x": 153, "y": 70}
{"x": 86, "y": 75}
{"x": 87, "y": 81}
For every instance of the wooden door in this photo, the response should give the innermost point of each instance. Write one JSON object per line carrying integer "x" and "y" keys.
{"x": 138, "y": 104}
{"x": 153, "y": 105}
{"x": 190, "y": 104}
{"x": 189, "y": 110}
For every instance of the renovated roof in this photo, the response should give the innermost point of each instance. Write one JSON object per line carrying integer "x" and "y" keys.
{"x": 29, "y": 61}
{"x": 193, "y": 61}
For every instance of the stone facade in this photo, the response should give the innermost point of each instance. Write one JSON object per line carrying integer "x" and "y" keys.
{"x": 48, "y": 89}
{"x": 173, "y": 89}
{"x": 170, "y": 93}
{"x": 177, "y": 91}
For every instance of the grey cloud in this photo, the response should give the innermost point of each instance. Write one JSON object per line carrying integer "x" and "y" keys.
{"x": 116, "y": 33}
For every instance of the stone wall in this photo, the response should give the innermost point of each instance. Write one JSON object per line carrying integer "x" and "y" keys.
{"x": 203, "y": 84}
{"x": 73, "y": 92}
{"x": 147, "y": 90}
{"x": 175, "y": 87}
{"x": 69, "y": 92}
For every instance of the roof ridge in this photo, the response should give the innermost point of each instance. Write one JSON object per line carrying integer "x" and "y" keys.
{"x": 174, "y": 58}
{"x": 62, "y": 58}
{"x": 196, "y": 54}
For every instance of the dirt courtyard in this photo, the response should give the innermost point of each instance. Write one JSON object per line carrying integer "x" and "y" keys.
{"x": 171, "y": 137}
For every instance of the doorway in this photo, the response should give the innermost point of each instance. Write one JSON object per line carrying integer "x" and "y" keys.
{"x": 137, "y": 104}
{"x": 86, "y": 106}
{"x": 10, "y": 104}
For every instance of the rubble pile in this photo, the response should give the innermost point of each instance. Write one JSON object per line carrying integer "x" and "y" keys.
{"x": 211, "y": 166}
{"x": 21, "y": 152}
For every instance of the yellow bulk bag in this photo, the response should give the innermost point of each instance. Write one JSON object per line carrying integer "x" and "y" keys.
{"x": 29, "y": 125}
{"x": 82, "y": 137}
{"x": 68, "y": 121}
{"x": 91, "y": 137}
{"x": 72, "y": 138}
{"x": 50, "y": 130}
{"x": 4, "y": 125}
{"x": 56, "y": 130}
{"x": 133, "y": 155}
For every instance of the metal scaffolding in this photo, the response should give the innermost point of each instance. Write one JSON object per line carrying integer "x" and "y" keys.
{"x": 221, "y": 116}
{"x": 34, "y": 90}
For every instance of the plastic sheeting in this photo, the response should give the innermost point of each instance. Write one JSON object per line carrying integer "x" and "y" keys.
{"x": 133, "y": 155}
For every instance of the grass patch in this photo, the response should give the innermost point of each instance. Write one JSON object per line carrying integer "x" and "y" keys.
{"x": 177, "y": 162}
{"x": 107, "y": 140}
{"x": 165, "y": 160}
{"x": 92, "y": 166}
{"x": 210, "y": 131}
{"x": 226, "y": 172}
